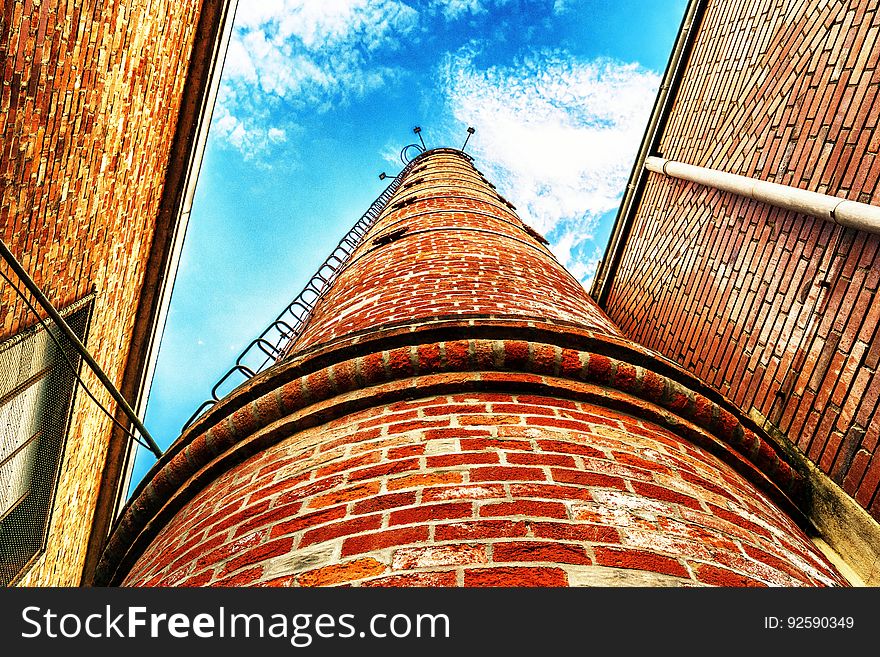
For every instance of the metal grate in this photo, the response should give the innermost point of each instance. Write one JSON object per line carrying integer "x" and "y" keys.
{"x": 36, "y": 398}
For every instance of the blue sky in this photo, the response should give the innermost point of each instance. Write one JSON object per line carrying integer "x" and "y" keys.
{"x": 318, "y": 97}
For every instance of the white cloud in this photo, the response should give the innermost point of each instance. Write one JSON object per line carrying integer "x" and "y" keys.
{"x": 454, "y": 9}
{"x": 302, "y": 54}
{"x": 558, "y": 137}
{"x": 391, "y": 153}
{"x": 243, "y": 123}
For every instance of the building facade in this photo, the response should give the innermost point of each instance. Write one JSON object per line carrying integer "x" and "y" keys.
{"x": 774, "y": 308}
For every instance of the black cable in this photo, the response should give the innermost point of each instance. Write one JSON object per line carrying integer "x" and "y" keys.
{"x": 70, "y": 364}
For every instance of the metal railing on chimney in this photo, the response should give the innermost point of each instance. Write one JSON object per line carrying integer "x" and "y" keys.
{"x": 274, "y": 343}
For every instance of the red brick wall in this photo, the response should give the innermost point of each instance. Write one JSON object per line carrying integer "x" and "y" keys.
{"x": 481, "y": 489}
{"x": 465, "y": 253}
{"x": 775, "y": 310}
{"x": 395, "y": 448}
{"x": 88, "y": 109}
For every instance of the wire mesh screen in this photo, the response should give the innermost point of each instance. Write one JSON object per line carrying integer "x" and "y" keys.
{"x": 37, "y": 386}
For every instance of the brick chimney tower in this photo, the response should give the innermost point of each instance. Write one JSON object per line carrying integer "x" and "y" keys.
{"x": 458, "y": 412}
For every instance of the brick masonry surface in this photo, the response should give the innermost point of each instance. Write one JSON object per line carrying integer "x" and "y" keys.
{"x": 452, "y": 461}
{"x": 482, "y": 489}
{"x": 775, "y": 310}
{"x": 455, "y": 249}
{"x": 88, "y": 108}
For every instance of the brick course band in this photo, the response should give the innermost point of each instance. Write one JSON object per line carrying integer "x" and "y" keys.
{"x": 495, "y": 233}
{"x": 516, "y": 223}
{"x": 421, "y": 368}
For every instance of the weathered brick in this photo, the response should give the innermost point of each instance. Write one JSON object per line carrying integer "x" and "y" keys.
{"x": 640, "y": 560}
{"x": 419, "y": 480}
{"x": 662, "y": 493}
{"x": 337, "y": 529}
{"x": 344, "y": 495}
{"x": 518, "y": 577}
{"x": 347, "y": 464}
{"x": 540, "y": 551}
{"x": 384, "y": 539}
{"x": 296, "y": 523}
{"x": 424, "y": 513}
{"x": 384, "y": 502}
{"x": 384, "y": 469}
{"x": 467, "y": 458}
{"x": 585, "y": 478}
{"x": 438, "y": 555}
{"x": 550, "y": 491}
{"x": 247, "y": 577}
{"x": 529, "y": 508}
{"x": 508, "y": 473}
{"x": 718, "y": 576}
{"x": 257, "y": 554}
{"x": 430, "y": 579}
{"x": 558, "y": 460}
{"x": 471, "y": 492}
{"x": 340, "y": 573}
{"x": 480, "y": 529}
{"x": 576, "y": 532}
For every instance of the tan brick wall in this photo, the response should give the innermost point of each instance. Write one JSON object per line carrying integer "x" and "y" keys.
{"x": 776, "y": 310}
{"x": 89, "y": 102}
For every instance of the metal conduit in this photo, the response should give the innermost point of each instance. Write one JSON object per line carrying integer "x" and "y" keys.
{"x": 80, "y": 348}
{"x": 850, "y": 214}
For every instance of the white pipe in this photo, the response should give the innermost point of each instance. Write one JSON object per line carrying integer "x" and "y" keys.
{"x": 852, "y": 214}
